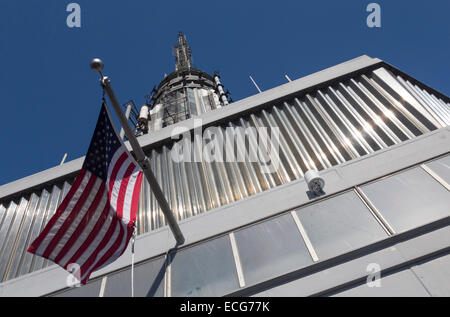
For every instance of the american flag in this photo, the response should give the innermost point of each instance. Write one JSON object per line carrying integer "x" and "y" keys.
{"x": 95, "y": 221}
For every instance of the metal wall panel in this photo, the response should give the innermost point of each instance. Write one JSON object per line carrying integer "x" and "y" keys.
{"x": 321, "y": 128}
{"x": 346, "y": 120}
{"x": 434, "y": 274}
{"x": 20, "y": 224}
{"x": 399, "y": 284}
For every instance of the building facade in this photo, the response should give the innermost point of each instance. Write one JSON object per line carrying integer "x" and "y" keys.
{"x": 379, "y": 138}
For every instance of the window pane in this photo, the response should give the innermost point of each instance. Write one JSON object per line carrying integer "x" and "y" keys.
{"x": 206, "y": 269}
{"x": 339, "y": 224}
{"x": 148, "y": 281}
{"x": 91, "y": 289}
{"x": 271, "y": 248}
{"x": 192, "y": 103}
{"x": 441, "y": 167}
{"x": 409, "y": 199}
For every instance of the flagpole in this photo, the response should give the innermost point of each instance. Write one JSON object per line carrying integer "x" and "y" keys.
{"x": 142, "y": 159}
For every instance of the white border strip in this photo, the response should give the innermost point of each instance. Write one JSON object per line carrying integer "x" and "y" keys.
{"x": 435, "y": 176}
{"x": 237, "y": 260}
{"x": 168, "y": 276}
{"x": 305, "y": 237}
{"x": 103, "y": 286}
{"x": 375, "y": 212}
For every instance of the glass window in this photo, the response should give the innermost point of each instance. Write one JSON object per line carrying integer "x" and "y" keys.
{"x": 91, "y": 289}
{"x": 207, "y": 103}
{"x": 192, "y": 104}
{"x": 206, "y": 269}
{"x": 271, "y": 248}
{"x": 148, "y": 281}
{"x": 409, "y": 199}
{"x": 441, "y": 167}
{"x": 339, "y": 224}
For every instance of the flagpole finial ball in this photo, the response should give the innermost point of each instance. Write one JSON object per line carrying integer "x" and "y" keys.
{"x": 97, "y": 65}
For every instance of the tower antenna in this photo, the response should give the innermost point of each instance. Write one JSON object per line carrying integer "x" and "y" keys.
{"x": 254, "y": 83}
{"x": 183, "y": 55}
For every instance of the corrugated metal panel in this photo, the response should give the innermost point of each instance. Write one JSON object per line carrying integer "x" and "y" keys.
{"x": 22, "y": 222}
{"x": 348, "y": 119}
{"x": 332, "y": 125}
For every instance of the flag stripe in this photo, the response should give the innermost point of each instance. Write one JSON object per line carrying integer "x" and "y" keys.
{"x": 115, "y": 173}
{"x": 71, "y": 216}
{"x": 106, "y": 243}
{"x": 116, "y": 183}
{"x": 116, "y": 250}
{"x": 135, "y": 198}
{"x": 117, "y": 155}
{"x": 101, "y": 211}
{"x": 64, "y": 214}
{"x": 119, "y": 245}
{"x": 90, "y": 243}
{"x": 123, "y": 190}
{"x": 36, "y": 243}
{"x": 77, "y": 217}
{"x": 117, "y": 253}
{"x": 82, "y": 224}
{"x": 127, "y": 214}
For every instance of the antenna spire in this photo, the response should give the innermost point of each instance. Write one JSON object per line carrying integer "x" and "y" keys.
{"x": 182, "y": 52}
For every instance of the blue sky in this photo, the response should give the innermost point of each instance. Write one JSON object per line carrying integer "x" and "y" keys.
{"x": 50, "y": 98}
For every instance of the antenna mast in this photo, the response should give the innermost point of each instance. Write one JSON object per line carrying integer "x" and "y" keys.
{"x": 182, "y": 52}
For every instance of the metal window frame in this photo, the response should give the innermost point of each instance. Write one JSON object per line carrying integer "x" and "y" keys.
{"x": 237, "y": 260}
{"x": 304, "y": 235}
{"x": 433, "y": 174}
